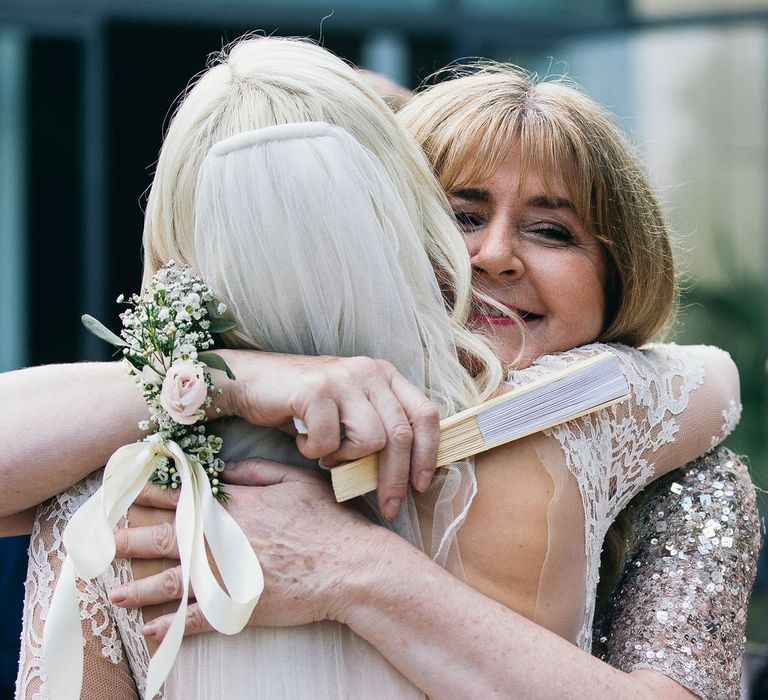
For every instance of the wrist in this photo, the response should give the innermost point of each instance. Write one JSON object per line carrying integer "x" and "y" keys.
{"x": 226, "y": 391}
{"x": 368, "y": 586}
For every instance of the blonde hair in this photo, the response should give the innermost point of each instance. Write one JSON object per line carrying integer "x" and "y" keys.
{"x": 263, "y": 82}
{"x": 466, "y": 126}
{"x": 395, "y": 95}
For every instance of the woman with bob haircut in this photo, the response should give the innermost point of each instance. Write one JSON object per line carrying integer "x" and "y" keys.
{"x": 530, "y": 561}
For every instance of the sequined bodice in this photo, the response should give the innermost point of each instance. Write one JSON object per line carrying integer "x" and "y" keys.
{"x": 680, "y": 604}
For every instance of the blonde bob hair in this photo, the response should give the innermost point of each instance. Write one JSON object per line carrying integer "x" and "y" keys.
{"x": 467, "y": 124}
{"x": 262, "y": 82}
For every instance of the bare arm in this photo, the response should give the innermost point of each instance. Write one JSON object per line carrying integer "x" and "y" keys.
{"x": 62, "y": 422}
{"x": 67, "y": 420}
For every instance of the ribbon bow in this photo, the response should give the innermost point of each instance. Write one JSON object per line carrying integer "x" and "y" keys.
{"x": 90, "y": 544}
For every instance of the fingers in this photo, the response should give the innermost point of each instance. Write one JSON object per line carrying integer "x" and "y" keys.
{"x": 150, "y": 542}
{"x": 264, "y": 472}
{"x": 155, "y": 496}
{"x": 194, "y": 624}
{"x": 157, "y": 589}
{"x": 395, "y": 458}
{"x": 323, "y": 424}
{"x": 424, "y": 419}
{"x": 364, "y": 430}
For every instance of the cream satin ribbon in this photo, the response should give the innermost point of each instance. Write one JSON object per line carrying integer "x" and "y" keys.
{"x": 90, "y": 544}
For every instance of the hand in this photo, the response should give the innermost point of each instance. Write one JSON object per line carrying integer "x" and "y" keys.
{"x": 309, "y": 546}
{"x": 352, "y": 407}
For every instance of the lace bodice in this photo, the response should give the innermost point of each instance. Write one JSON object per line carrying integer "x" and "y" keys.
{"x": 116, "y": 654}
{"x": 674, "y": 415}
{"x": 680, "y": 606}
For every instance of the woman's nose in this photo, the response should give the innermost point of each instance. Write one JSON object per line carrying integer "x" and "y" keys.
{"x": 494, "y": 252}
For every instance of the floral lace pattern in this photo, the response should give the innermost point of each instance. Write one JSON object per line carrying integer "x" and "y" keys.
{"x": 731, "y": 418}
{"x": 614, "y": 453}
{"x": 680, "y": 605}
{"x": 113, "y": 630}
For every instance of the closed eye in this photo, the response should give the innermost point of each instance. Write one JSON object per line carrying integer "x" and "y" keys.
{"x": 555, "y": 234}
{"x": 468, "y": 221}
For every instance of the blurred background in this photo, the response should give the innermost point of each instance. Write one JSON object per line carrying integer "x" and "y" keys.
{"x": 86, "y": 87}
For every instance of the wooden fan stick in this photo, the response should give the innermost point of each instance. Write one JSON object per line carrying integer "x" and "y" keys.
{"x": 504, "y": 418}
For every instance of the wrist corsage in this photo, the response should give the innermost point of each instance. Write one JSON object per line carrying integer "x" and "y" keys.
{"x": 166, "y": 339}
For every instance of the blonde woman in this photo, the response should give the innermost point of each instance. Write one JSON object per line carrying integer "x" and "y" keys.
{"x": 515, "y": 492}
{"x": 302, "y": 228}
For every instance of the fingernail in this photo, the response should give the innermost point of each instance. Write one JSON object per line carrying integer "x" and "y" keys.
{"x": 423, "y": 479}
{"x": 117, "y": 595}
{"x": 149, "y": 630}
{"x": 391, "y": 507}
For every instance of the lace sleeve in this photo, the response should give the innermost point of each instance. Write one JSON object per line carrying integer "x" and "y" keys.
{"x": 680, "y": 605}
{"x": 684, "y": 401}
{"x": 107, "y": 673}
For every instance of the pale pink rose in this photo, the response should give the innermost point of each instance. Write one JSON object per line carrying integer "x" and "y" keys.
{"x": 184, "y": 391}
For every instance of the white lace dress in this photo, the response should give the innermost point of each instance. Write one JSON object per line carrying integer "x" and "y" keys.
{"x": 684, "y": 401}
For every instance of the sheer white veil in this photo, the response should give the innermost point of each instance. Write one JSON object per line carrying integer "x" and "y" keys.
{"x": 301, "y": 232}
{"x": 303, "y": 235}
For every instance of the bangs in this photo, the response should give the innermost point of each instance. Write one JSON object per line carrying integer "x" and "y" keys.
{"x": 548, "y": 147}
{"x": 481, "y": 144}
{"x": 548, "y": 150}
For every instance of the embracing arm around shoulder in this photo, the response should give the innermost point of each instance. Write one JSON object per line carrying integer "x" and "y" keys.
{"x": 61, "y": 423}
{"x": 64, "y": 421}
{"x": 704, "y": 395}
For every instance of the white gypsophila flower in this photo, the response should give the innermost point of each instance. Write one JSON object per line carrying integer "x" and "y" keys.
{"x": 169, "y": 324}
{"x": 191, "y": 299}
{"x": 150, "y": 376}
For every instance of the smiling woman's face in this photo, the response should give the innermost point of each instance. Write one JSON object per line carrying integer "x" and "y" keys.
{"x": 531, "y": 253}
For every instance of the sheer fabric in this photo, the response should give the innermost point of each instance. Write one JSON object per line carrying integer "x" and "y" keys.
{"x": 116, "y": 654}
{"x": 598, "y": 463}
{"x": 309, "y": 245}
{"x": 305, "y": 237}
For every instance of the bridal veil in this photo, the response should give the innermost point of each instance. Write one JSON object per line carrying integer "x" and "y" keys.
{"x": 302, "y": 234}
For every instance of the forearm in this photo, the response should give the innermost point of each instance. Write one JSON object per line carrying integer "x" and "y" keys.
{"x": 453, "y": 642}
{"x": 62, "y": 422}
{"x": 18, "y": 523}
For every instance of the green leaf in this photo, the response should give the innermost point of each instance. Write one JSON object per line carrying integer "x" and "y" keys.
{"x": 219, "y": 324}
{"x": 102, "y": 332}
{"x": 215, "y": 361}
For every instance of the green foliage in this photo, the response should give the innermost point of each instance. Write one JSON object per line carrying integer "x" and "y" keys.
{"x": 734, "y": 318}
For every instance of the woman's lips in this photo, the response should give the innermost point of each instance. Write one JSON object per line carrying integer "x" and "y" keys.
{"x": 492, "y": 317}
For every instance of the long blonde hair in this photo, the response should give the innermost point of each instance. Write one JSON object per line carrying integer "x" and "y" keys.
{"x": 263, "y": 82}
{"x": 466, "y": 126}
